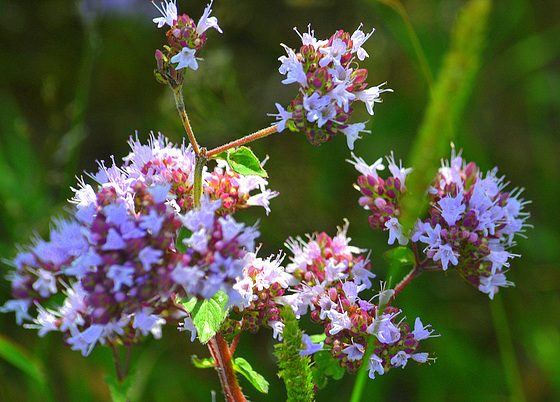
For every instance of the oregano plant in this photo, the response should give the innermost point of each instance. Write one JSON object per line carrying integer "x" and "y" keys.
{"x": 154, "y": 241}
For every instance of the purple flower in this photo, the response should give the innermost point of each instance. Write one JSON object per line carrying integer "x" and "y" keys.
{"x": 420, "y": 331}
{"x": 375, "y": 365}
{"x": 309, "y": 347}
{"x": 185, "y": 58}
{"x": 452, "y": 208}
{"x": 355, "y": 351}
{"x": 446, "y": 255}
{"x": 207, "y": 22}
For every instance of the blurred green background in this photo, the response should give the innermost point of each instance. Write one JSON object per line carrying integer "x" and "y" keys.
{"x": 76, "y": 81}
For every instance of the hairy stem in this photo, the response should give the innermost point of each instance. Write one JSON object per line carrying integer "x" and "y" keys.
{"x": 234, "y": 344}
{"x": 178, "y": 94}
{"x": 219, "y": 350}
{"x": 242, "y": 141}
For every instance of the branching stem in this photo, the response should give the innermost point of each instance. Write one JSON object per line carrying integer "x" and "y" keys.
{"x": 242, "y": 141}
{"x": 220, "y": 351}
{"x": 122, "y": 370}
{"x": 419, "y": 267}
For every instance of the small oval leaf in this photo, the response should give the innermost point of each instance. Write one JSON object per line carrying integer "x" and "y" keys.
{"x": 244, "y": 162}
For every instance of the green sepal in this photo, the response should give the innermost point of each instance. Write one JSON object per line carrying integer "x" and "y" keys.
{"x": 120, "y": 390}
{"x": 205, "y": 363}
{"x": 243, "y": 161}
{"x": 292, "y": 126}
{"x": 258, "y": 381}
{"x": 318, "y": 338}
{"x": 207, "y": 315}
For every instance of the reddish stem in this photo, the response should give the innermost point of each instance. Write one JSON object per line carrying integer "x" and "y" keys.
{"x": 417, "y": 270}
{"x": 419, "y": 267}
{"x": 234, "y": 344}
{"x": 242, "y": 141}
{"x": 220, "y": 351}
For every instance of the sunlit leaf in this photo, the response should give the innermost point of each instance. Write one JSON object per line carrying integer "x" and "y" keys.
{"x": 243, "y": 161}
{"x": 447, "y": 102}
{"x": 242, "y": 366}
{"x": 207, "y": 315}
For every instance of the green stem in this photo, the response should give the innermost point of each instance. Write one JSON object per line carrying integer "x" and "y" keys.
{"x": 200, "y": 161}
{"x": 178, "y": 94}
{"x": 362, "y": 375}
{"x": 242, "y": 141}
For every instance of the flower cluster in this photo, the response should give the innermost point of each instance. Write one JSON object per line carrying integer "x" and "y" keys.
{"x": 162, "y": 163}
{"x": 118, "y": 259}
{"x": 112, "y": 263}
{"x": 215, "y": 253}
{"x": 328, "y": 86}
{"x": 331, "y": 278}
{"x": 185, "y": 38}
{"x": 262, "y": 284}
{"x": 382, "y": 197}
{"x": 472, "y": 224}
{"x": 234, "y": 189}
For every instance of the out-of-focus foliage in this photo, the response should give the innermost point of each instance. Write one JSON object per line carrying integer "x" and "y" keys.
{"x": 78, "y": 76}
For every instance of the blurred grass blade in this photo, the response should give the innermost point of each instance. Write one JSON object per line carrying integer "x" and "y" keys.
{"x": 398, "y": 7}
{"x": 23, "y": 193}
{"x": 449, "y": 99}
{"x": 507, "y": 351}
{"x": 22, "y": 359}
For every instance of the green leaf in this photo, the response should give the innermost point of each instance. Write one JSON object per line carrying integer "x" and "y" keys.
{"x": 119, "y": 390}
{"x": 242, "y": 366}
{"x": 398, "y": 258}
{"x": 189, "y": 304}
{"x": 243, "y": 161}
{"x": 205, "y": 363}
{"x": 22, "y": 359}
{"x": 328, "y": 365}
{"x": 207, "y": 315}
{"x": 183, "y": 234}
{"x": 318, "y": 337}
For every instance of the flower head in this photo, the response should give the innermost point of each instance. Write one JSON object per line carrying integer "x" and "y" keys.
{"x": 328, "y": 86}
{"x": 184, "y": 37}
{"x": 472, "y": 223}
